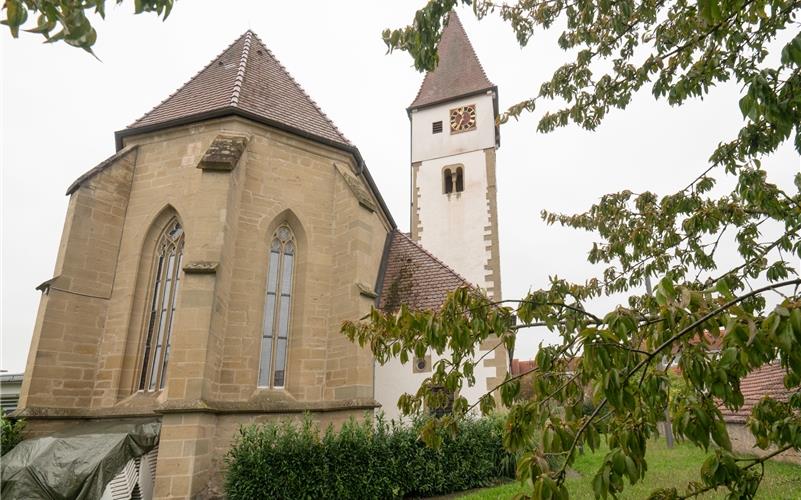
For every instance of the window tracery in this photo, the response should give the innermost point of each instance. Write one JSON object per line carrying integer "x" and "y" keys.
{"x": 161, "y": 311}
{"x": 277, "y": 309}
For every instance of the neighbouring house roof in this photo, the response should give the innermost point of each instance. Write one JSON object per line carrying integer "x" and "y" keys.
{"x": 767, "y": 380}
{"x": 11, "y": 377}
{"x": 521, "y": 366}
{"x": 458, "y": 73}
{"x": 246, "y": 76}
{"x": 10, "y": 387}
{"x": 714, "y": 343}
{"x": 414, "y": 277}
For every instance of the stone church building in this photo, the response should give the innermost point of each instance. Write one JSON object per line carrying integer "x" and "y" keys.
{"x": 206, "y": 267}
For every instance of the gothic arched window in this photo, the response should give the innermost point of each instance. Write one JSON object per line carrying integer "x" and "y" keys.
{"x": 447, "y": 181}
{"x": 459, "y": 182}
{"x": 277, "y": 307}
{"x": 162, "y": 299}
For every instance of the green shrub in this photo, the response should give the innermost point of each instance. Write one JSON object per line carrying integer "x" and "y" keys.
{"x": 368, "y": 459}
{"x": 10, "y": 433}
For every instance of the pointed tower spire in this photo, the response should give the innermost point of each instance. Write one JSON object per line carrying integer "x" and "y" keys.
{"x": 454, "y": 137}
{"x": 459, "y": 72}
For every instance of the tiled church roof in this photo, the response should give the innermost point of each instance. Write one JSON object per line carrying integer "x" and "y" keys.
{"x": 768, "y": 380}
{"x": 415, "y": 277}
{"x": 246, "y": 77}
{"x": 247, "y": 80}
{"x": 459, "y": 72}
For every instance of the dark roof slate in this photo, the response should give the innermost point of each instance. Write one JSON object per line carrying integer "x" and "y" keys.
{"x": 459, "y": 71}
{"x": 246, "y": 76}
{"x": 414, "y": 277}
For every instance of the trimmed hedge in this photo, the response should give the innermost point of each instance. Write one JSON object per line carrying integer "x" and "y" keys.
{"x": 368, "y": 459}
{"x": 10, "y": 433}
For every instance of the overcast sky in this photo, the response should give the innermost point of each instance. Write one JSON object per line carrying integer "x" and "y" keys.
{"x": 60, "y": 107}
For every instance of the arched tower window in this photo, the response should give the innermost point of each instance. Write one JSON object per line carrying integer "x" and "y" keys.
{"x": 459, "y": 182}
{"x": 162, "y": 299}
{"x": 447, "y": 181}
{"x": 277, "y": 307}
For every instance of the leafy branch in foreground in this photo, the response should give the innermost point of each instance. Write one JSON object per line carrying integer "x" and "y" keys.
{"x": 620, "y": 359}
{"x": 614, "y": 360}
{"x": 66, "y": 20}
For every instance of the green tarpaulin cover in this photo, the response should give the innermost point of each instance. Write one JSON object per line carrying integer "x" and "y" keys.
{"x": 76, "y": 463}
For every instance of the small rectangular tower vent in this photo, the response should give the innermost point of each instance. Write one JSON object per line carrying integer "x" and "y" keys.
{"x": 436, "y": 127}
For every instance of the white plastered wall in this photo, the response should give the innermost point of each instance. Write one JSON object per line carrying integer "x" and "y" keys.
{"x": 393, "y": 379}
{"x": 453, "y": 225}
{"x": 427, "y": 145}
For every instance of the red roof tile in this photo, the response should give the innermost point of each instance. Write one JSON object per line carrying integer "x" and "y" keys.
{"x": 459, "y": 72}
{"x": 414, "y": 277}
{"x": 521, "y": 366}
{"x": 246, "y": 77}
{"x": 768, "y": 380}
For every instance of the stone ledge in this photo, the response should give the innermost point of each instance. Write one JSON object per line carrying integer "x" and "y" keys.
{"x": 201, "y": 267}
{"x": 38, "y": 412}
{"x": 266, "y": 406}
{"x": 263, "y": 406}
{"x": 356, "y": 187}
{"x": 44, "y": 287}
{"x": 223, "y": 154}
{"x": 366, "y": 290}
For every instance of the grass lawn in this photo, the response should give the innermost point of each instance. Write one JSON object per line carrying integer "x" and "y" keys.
{"x": 666, "y": 468}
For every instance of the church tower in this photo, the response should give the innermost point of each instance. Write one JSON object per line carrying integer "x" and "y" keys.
{"x": 454, "y": 138}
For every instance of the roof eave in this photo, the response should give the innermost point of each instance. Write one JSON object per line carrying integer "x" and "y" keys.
{"x": 496, "y": 108}
{"x": 382, "y": 268}
{"x": 120, "y": 135}
{"x": 416, "y": 107}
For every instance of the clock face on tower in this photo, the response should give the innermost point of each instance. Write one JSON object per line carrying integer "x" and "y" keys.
{"x": 463, "y": 119}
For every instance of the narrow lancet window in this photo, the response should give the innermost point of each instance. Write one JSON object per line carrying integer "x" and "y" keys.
{"x": 459, "y": 180}
{"x": 447, "y": 180}
{"x": 161, "y": 310}
{"x": 277, "y": 308}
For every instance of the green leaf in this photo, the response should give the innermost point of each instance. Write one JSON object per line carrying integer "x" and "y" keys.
{"x": 791, "y": 53}
{"x": 746, "y": 105}
{"x": 631, "y": 470}
{"x": 721, "y": 436}
{"x": 723, "y": 288}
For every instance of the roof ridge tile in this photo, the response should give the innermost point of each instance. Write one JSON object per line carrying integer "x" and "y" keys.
{"x": 240, "y": 74}
{"x": 469, "y": 43}
{"x": 204, "y": 68}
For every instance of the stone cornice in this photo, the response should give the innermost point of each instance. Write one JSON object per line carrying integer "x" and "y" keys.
{"x": 200, "y": 406}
